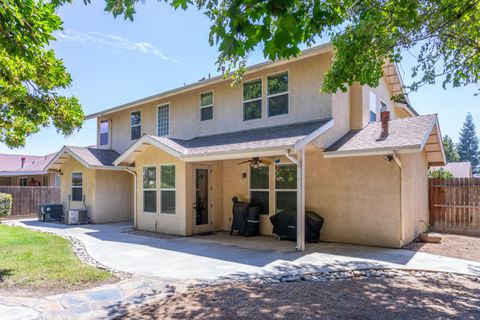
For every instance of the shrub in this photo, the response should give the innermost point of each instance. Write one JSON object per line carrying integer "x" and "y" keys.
{"x": 440, "y": 173}
{"x": 5, "y": 204}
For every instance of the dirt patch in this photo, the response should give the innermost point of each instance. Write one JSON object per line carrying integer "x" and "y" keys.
{"x": 406, "y": 297}
{"x": 454, "y": 246}
{"x": 49, "y": 290}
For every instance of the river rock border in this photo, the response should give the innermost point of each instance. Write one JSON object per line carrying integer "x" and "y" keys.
{"x": 80, "y": 251}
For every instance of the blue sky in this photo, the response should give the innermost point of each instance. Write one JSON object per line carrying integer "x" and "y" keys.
{"x": 113, "y": 61}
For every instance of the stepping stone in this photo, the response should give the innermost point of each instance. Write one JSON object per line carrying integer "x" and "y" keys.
{"x": 18, "y": 313}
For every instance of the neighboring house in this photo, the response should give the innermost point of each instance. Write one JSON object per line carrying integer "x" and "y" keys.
{"x": 458, "y": 169}
{"x": 26, "y": 170}
{"x": 181, "y": 155}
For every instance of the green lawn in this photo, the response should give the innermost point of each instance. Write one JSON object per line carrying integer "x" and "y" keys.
{"x": 35, "y": 259}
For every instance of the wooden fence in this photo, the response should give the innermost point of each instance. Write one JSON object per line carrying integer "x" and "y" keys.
{"x": 27, "y": 199}
{"x": 455, "y": 205}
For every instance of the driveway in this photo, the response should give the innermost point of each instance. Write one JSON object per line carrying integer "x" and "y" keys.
{"x": 220, "y": 255}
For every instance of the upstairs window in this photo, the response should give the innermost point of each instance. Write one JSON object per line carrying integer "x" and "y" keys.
{"x": 163, "y": 118}
{"x": 136, "y": 124}
{"x": 77, "y": 186}
{"x": 259, "y": 188}
{"x": 252, "y": 100}
{"x": 104, "y": 132}
{"x": 277, "y": 94}
{"x": 206, "y": 106}
{"x": 286, "y": 187}
{"x": 373, "y": 107}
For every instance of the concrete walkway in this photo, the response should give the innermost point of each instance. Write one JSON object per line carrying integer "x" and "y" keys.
{"x": 221, "y": 256}
{"x": 103, "y": 302}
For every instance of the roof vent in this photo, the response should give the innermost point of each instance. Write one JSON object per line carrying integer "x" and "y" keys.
{"x": 23, "y": 161}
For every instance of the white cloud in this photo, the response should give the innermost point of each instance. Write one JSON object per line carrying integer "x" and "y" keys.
{"x": 100, "y": 39}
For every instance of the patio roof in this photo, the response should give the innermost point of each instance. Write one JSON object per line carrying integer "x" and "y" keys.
{"x": 246, "y": 143}
{"x": 92, "y": 158}
{"x": 413, "y": 134}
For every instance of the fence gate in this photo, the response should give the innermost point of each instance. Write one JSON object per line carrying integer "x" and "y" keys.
{"x": 455, "y": 205}
{"x": 27, "y": 199}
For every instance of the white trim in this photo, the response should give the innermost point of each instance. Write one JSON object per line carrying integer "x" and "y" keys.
{"x": 169, "y": 118}
{"x": 312, "y": 136}
{"x": 321, "y": 49}
{"x": 160, "y": 189}
{"x": 206, "y": 106}
{"x": 22, "y": 173}
{"x": 287, "y": 71}
{"x": 372, "y": 152}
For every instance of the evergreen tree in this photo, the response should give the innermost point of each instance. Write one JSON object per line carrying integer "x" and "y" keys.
{"x": 450, "y": 149}
{"x": 468, "y": 145}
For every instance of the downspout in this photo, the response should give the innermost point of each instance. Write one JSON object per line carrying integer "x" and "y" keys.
{"x": 400, "y": 166}
{"x": 134, "y": 196}
{"x": 300, "y": 162}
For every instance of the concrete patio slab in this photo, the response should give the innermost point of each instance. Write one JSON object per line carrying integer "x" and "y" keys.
{"x": 220, "y": 255}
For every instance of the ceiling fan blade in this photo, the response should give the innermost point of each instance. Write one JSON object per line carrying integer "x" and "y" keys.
{"x": 267, "y": 162}
{"x": 246, "y": 161}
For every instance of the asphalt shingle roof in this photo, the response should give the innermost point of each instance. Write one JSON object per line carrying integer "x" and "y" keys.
{"x": 13, "y": 162}
{"x": 262, "y": 138}
{"x": 93, "y": 156}
{"x": 403, "y": 133}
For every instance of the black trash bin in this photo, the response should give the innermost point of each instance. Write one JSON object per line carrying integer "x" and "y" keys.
{"x": 253, "y": 222}
{"x": 239, "y": 216}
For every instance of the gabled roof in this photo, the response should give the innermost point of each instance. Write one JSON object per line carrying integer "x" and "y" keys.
{"x": 89, "y": 157}
{"x": 11, "y": 164}
{"x": 405, "y": 135}
{"x": 230, "y": 145}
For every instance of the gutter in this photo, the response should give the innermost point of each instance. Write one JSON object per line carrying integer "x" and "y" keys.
{"x": 402, "y": 214}
{"x": 134, "y": 196}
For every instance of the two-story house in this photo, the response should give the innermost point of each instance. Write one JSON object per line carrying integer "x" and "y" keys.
{"x": 173, "y": 162}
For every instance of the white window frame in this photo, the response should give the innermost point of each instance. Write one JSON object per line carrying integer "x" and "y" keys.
{"x": 275, "y": 181}
{"x": 77, "y": 187}
{"x": 169, "y": 116}
{"x": 251, "y": 100}
{"x": 149, "y": 189}
{"x": 108, "y": 132}
{"x": 278, "y": 94}
{"x": 136, "y": 125}
{"x": 160, "y": 189}
{"x": 382, "y": 104}
{"x": 58, "y": 180}
{"x": 20, "y": 181}
{"x": 206, "y": 106}
{"x": 259, "y": 190}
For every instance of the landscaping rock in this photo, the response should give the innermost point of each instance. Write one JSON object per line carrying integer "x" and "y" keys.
{"x": 430, "y": 237}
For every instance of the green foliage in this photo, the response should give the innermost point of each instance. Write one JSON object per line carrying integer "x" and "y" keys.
{"x": 365, "y": 34}
{"x": 30, "y": 74}
{"x": 36, "y": 259}
{"x": 450, "y": 149}
{"x": 440, "y": 173}
{"x": 468, "y": 145}
{"x": 5, "y": 204}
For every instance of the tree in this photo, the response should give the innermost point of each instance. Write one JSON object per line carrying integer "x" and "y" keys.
{"x": 450, "y": 149}
{"x": 440, "y": 173}
{"x": 365, "y": 34}
{"x": 468, "y": 145}
{"x": 30, "y": 74}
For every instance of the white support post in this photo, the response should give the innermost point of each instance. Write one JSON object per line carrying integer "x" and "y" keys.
{"x": 301, "y": 200}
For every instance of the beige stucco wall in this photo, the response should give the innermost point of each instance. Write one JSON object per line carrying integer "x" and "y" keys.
{"x": 72, "y": 165}
{"x": 113, "y": 196}
{"x": 167, "y": 223}
{"x": 306, "y": 104}
{"x": 415, "y": 194}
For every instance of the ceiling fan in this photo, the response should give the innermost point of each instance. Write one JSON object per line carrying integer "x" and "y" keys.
{"x": 256, "y": 161}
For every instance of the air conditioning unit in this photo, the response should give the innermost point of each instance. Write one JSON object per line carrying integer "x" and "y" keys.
{"x": 76, "y": 216}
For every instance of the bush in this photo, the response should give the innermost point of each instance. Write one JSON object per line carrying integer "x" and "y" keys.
{"x": 5, "y": 204}
{"x": 440, "y": 173}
